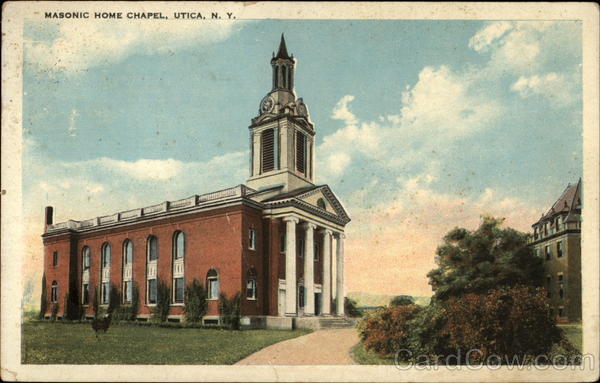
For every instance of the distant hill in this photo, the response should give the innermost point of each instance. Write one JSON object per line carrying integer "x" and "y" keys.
{"x": 370, "y": 300}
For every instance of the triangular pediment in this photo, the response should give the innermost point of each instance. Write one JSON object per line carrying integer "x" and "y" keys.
{"x": 323, "y": 199}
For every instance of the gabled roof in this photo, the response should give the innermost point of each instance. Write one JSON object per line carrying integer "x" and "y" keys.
{"x": 566, "y": 203}
{"x": 298, "y": 196}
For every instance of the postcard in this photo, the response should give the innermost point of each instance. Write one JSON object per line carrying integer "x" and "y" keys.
{"x": 270, "y": 191}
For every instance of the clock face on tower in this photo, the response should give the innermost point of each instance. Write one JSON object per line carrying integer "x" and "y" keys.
{"x": 266, "y": 104}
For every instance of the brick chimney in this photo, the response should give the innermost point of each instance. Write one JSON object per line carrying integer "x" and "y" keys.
{"x": 49, "y": 216}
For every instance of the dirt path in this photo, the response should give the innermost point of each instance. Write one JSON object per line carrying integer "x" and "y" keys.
{"x": 319, "y": 347}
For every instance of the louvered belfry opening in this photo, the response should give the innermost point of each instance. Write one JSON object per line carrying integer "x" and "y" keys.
{"x": 301, "y": 152}
{"x": 268, "y": 150}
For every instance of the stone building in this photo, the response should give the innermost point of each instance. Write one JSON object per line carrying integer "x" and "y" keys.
{"x": 557, "y": 239}
{"x": 275, "y": 239}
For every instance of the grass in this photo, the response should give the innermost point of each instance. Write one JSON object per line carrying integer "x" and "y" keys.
{"x": 573, "y": 333}
{"x": 75, "y": 343}
{"x": 360, "y": 355}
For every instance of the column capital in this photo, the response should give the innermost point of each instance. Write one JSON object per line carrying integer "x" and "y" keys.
{"x": 326, "y": 231}
{"x": 291, "y": 218}
{"x": 340, "y": 235}
{"x": 309, "y": 225}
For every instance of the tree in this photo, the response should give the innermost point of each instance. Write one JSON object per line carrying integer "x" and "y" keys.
{"x": 402, "y": 300}
{"x": 195, "y": 301}
{"x": 477, "y": 261}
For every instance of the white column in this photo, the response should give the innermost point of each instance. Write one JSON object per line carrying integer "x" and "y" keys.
{"x": 290, "y": 265}
{"x": 326, "y": 290}
{"x": 340, "y": 274}
{"x": 309, "y": 269}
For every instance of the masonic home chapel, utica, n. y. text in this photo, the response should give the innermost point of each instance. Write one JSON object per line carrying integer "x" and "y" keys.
{"x": 275, "y": 240}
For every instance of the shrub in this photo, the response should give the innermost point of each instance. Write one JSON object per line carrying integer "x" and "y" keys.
{"x": 96, "y": 303}
{"x": 195, "y": 301}
{"x": 386, "y": 331}
{"x": 160, "y": 312}
{"x": 402, "y": 300}
{"x": 43, "y": 298}
{"x": 54, "y": 313}
{"x": 135, "y": 301}
{"x": 509, "y": 322}
{"x": 229, "y": 310}
{"x": 425, "y": 336}
{"x": 114, "y": 300}
{"x": 350, "y": 307}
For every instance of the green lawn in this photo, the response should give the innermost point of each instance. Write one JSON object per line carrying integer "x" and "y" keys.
{"x": 360, "y": 355}
{"x": 573, "y": 332}
{"x": 75, "y": 343}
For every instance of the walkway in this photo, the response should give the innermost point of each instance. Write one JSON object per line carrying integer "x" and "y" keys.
{"x": 319, "y": 347}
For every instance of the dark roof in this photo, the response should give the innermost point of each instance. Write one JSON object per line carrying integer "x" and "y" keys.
{"x": 568, "y": 201}
{"x": 282, "y": 52}
{"x": 291, "y": 194}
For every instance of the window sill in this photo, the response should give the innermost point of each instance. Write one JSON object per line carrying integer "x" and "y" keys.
{"x": 251, "y": 299}
{"x": 212, "y": 299}
{"x": 177, "y": 304}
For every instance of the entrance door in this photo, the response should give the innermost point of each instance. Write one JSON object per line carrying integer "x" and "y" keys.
{"x": 281, "y": 303}
{"x": 317, "y": 303}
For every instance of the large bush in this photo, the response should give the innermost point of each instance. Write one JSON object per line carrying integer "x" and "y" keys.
{"x": 508, "y": 322}
{"x": 387, "y": 330}
{"x": 195, "y": 301}
{"x": 350, "y": 308}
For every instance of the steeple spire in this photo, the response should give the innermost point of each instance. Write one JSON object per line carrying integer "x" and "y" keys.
{"x": 282, "y": 52}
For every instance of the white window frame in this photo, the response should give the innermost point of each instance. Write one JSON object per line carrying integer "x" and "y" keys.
{"x": 252, "y": 239}
{"x": 148, "y": 291}
{"x": 209, "y": 283}
{"x": 105, "y": 299}
{"x": 54, "y": 292}
{"x": 85, "y": 295}
{"x": 251, "y": 281}
{"x": 86, "y": 258}
{"x": 174, "y": 298}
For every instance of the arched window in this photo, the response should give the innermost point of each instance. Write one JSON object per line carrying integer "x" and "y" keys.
{"x": 212, "y": 282}
{"x": 105, "y": 255}
{"x": 86, "y": 258}
{"x": 321, "y": 204}
{"x": 105, "y": 274}
{"x": 151, "y": 269}
{"x": 267, "y": 145}
{"x": 54, "y": 292}
{"x": 178, "y": 267}
{"x": 284, "y": 76}
{"x": 127, "y": 271}
{"x": 152, "y": 249}
{"x": 179, "y": 245}
{"x": 251, "y": 284}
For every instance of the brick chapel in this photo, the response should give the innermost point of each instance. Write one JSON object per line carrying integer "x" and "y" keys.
{"x": 275, "y": 240}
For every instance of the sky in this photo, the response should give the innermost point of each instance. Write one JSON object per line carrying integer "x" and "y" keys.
{"x": 421, "y": 126}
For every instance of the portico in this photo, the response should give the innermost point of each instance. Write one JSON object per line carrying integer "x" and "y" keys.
{"x": 294, "y": 228}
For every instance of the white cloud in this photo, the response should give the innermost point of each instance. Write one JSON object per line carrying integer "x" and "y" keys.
{"x": 482, "y": 40}
{"x": 144, "y": 169}
{"x": 552, "y": 86}
{"x": 341, "y": 111}
{"x": 80, "y": 45}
